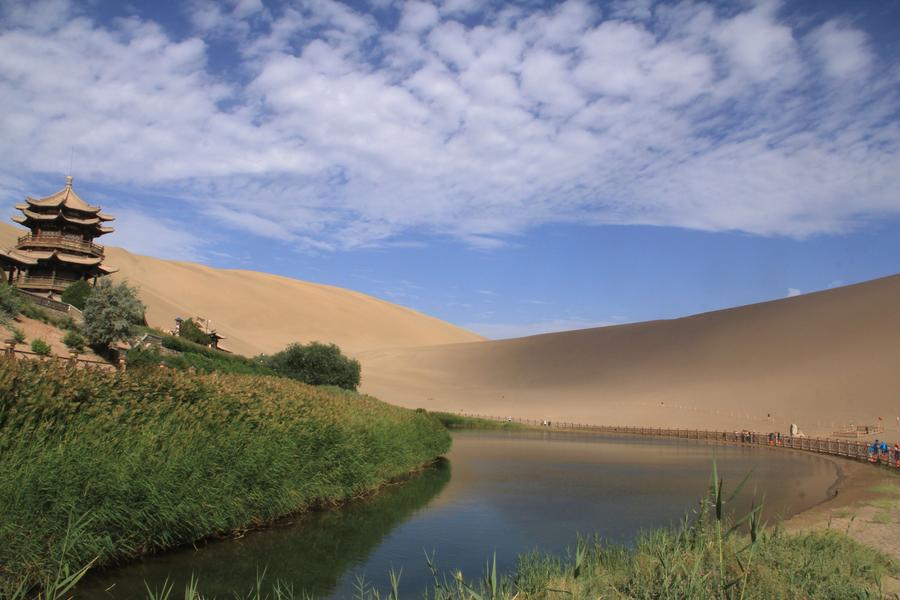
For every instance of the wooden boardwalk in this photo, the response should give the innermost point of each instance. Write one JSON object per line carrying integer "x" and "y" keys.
{"x": 851, "y": 449}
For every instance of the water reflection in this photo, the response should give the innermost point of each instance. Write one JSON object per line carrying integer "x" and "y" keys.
{"x": 312, "y": 553}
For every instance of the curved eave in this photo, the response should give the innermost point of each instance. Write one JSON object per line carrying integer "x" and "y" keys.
{"x": 12, "y": 257}
{"x": 39, "y": 216}
{"x": 74, "y": 259}
{"x": 78, "y": 221}
{"x": 34, "y": 257}
{"x": 104, "y": 217}
{"x": 107, "y": 270}
{"x": 30, "y": 215}
{"x": 65, "y": 197}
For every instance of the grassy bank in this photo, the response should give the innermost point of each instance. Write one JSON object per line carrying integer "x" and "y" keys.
{"x": 704, "y": 558}
{"x": 151, "y": 459}
{"x": 453, "y": 421}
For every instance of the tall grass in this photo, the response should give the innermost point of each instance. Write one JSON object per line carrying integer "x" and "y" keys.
{"x": 151, "y": 459}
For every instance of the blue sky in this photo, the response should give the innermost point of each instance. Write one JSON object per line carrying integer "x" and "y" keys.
{"x": 512, "y": 168}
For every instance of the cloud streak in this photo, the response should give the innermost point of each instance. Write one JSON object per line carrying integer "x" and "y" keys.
{"x": 337, "y": 129}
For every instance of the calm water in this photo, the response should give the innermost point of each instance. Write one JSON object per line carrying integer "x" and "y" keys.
{"x": 503, "y": 492}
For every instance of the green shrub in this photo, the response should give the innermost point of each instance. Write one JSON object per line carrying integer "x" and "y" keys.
{"x": 74, "y": 341}
{"x": 39, "y": 346}
{"x": 18, "y": 336}
{"x": 109, "y": 313}
{"x": 209, "y": 360}
{"x": 190, "y": 331}
{"x": 316, "y": 364}
{"x": 10, "y": 302}
{"x": 33, "y": 311}
{"x": 77, "y": 294}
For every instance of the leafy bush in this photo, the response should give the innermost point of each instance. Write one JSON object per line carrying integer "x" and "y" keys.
{"x": 10, "y": 302}
{"x": 74, "y": 341}
{"x": 316, "y": 364}
{"x": 194, "y": 356}
{"x": 39, "y": 346}
{"x": 190, "y": 331}
{"x": 18, "y": 336}
{"x": 109, "y": 313}
{"x": 77, "y": 294}
{"x": 33, "y": 311}
{"x": 208, "y": 360}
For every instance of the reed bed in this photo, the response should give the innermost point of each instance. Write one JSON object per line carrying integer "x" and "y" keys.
{"x": 453, "y": 421}
{"x": 98, "y": 467}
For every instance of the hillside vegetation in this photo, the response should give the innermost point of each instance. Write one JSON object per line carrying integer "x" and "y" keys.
{"x": 149, "y": 459}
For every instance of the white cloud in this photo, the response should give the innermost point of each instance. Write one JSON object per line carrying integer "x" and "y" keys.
{"x": 335, "y": 132}
{"x": 791, "y": 292}
{"x": 843, "y": 50}
{"x": 418, "y": 16}
{"x": 143, "y": 234}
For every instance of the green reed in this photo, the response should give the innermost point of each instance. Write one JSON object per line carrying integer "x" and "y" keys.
{"x": 151, "y": 459}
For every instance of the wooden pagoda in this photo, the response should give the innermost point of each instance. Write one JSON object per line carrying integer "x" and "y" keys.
{"x": 60, "y": 249}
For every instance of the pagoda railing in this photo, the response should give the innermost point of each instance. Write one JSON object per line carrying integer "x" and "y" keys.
{"x": 59, "y": 241}
{"x": 56, "y": 284}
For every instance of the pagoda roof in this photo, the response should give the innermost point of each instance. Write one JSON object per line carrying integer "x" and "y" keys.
{"x": 12, "y": 256}
{"x": 65, "y": 197}
{"x": 34, "y": 257}
{"x": 59, "y": 216}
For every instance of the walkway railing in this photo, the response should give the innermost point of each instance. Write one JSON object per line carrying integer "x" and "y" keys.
{"x": 55, "y": 305}
{"x": 60, "y": 241}
{"x": 845, "y": 448}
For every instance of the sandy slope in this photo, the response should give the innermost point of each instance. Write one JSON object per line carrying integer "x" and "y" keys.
{"x": 821, "y": 360}
{"x": 258, "y": 312}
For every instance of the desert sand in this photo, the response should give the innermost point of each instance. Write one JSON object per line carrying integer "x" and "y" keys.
{"x": 822, "y": 360}
{"x": 258, "y": 312}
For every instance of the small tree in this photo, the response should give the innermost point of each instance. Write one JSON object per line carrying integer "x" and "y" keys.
{"x": 190, "y": 331}
{"x": 74, "y": 341}
{"x": 316, "y": 364}
{"x": 109, "y": 312}
{"x": 77, "y": 294}
{"x": 40, "y": 347}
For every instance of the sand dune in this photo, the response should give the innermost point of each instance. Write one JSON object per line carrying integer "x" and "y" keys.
{"x": 821, "y": 360}
{"x": 258, "y": 312}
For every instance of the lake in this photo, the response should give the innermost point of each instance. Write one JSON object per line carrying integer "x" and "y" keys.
{"x": 500, "y": 492}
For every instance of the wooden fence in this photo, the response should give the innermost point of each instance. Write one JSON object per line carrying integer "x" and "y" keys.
{"x": 846, "y": 448}
{"x": 72, "y": 360}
